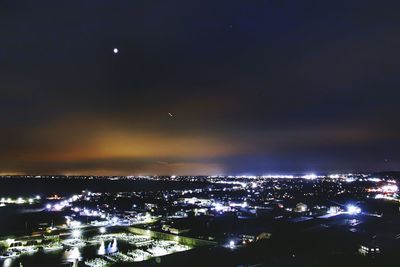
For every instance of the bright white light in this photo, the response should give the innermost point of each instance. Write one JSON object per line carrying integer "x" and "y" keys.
{"x": 7, "y": 262}
{"x": 48, "y": 206}
{"x": 220, "y": 208}
{"x": 351, "y": 209}
{"x": 115, "y": 50}
{"x": 38, "y": 197}
{"x": 311, "y": 176}
{"x": 102, "y": 249}
{"x": 333, "y": 210}
{"x": 102, "y": 230}
{"x": 276, "y": 176}
{"x": 231, "y": 243}
{"x": 75, "y": 224}
{"x": 58, "y": 207}
{"x": 113, "y": 247}
{"x": 76, "y": 233}
{"x": 73, "y": 254}
{"x": 390, "y": 188}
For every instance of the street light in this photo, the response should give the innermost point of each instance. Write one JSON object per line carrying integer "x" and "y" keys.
{"x": 76, "y": 233}
{"x": 351, "y": 209}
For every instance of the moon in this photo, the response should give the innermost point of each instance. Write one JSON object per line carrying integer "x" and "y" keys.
{"x": 115, "y": 50}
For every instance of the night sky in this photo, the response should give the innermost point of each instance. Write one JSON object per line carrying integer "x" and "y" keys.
{"x": 199, "y": 87}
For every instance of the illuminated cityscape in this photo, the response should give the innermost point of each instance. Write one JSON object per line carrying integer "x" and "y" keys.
{"x": 350, "y": 217}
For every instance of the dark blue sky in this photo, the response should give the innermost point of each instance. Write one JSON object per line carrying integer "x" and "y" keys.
{"x": 253, "y": 86}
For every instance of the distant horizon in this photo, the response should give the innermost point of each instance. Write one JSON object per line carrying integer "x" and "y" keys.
{"x": 321, "y": 173}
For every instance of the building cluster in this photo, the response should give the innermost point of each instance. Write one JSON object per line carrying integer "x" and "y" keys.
{"x": 231, "y": 211}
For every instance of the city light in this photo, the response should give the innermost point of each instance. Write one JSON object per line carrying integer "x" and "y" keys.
{"x": 236, "y": 196}
{"x": 75, "y": 224}
{"x": 76, "y": 233}
{"x": 311, "y": 176}
{"x": 391, "y": 188}
{"x": 354, "y": 210}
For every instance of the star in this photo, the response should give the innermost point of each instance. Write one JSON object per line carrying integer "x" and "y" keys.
{"x": 115, "y": 50}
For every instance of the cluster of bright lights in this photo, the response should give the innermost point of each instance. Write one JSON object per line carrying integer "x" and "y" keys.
{"x": 301, "y": 207}
{"x": 19, "y": 200}
{"x": 248, "y": 176}
{"x": 197, "y": 201}
{"x": 333, "y": 210}
{"x": 58, "y": 206}
{"x": 76, "y": 233}
{"x": 73, "y": 254}
{"x": 73, "y": 223}
{"x": 390, "y": 188}
{"x": 90, "y": 213}
{"x": 310, "y": 176}
{"x": 275, "y": 176}
{"x": 354, "y": 210}
{"x": 387, "y": 189}
{"x": 73, "y": 198}
{"x": 114, "y": 220}
{"x": 375, "y": 180}
{"x": 65, "y": 203}
{"x": 221, "y": 208}
{"x": 241, "y": 205}
{"x": 232, "y": 182}
{"x": 385, "y": 196}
